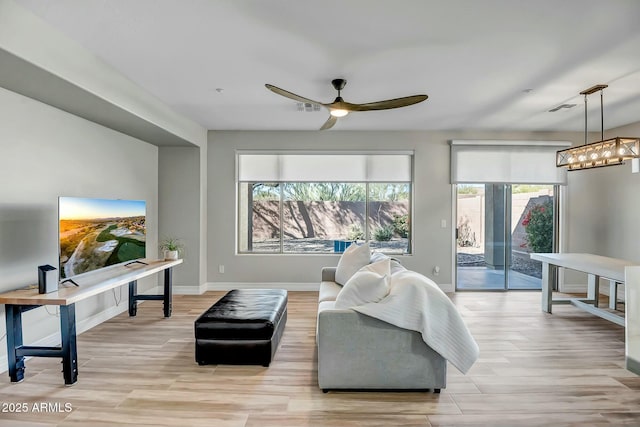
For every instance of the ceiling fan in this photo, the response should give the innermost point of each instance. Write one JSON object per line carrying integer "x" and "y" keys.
{"x": 340, "y": 108}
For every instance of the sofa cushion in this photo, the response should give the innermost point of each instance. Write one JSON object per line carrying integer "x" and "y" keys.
{"x": 328, "y": 291}
{"x": 353, "y": 259}
{"x": 369, "y": 284}
{"x": 326, "y": 305}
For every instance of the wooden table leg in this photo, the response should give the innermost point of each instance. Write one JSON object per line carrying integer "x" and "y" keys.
{"x": 593, "y": 288}
{"x": 613, "y": 294}
{"x": 547, "y": 291}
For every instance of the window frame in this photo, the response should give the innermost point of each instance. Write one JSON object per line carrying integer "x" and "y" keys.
{"x": 373, "y": 169}
{"x": 281, "y": 201}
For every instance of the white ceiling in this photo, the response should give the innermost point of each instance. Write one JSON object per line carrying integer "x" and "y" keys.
{"x": 485, "y": 64}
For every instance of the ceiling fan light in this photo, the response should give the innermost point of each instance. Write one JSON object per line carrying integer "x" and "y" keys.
{"x": 338, "y": 112}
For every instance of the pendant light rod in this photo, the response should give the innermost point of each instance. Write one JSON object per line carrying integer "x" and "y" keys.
{"x": 585, "y": 119}
{"x": 591, "y": 90}
{"x": 601, "y": 118}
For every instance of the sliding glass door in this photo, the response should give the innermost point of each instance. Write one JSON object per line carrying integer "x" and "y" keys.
{"x": 498, "y": 226}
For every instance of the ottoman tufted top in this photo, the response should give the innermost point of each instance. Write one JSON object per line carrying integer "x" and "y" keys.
{"x": 243, "y": 314}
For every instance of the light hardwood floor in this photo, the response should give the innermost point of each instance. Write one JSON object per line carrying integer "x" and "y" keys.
{"x": 535, "y": 369}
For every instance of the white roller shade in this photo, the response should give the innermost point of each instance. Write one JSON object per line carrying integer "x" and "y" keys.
{"x": 505, "y": 162}
{"x": 387, "y": 168}
{"x": 316, "y": 167}
{"x": 322, "y": 168}
{"x": 265, "y": 168}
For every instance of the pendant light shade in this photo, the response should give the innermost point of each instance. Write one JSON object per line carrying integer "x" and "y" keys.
{"x": 610, "y": 152}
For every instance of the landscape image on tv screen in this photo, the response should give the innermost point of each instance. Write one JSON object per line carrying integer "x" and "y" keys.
{"x": 95, "y": 233}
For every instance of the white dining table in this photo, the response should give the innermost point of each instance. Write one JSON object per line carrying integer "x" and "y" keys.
{"x": 596, "y": 267}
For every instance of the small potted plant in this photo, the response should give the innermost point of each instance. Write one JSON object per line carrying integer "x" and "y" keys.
{"x": 172, "y": 247}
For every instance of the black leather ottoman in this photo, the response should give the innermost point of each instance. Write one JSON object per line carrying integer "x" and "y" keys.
{"x": 243, "y": 328}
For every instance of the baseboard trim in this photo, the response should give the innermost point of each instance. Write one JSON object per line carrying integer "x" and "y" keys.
{"x": 575, "y": 288}
{"x": 633, "y": 365}
{"x": 581, "y": 288}
{"x": 289, "y": 286}
{"x": 189, "y": 290}
{"x": 447, "y": 287}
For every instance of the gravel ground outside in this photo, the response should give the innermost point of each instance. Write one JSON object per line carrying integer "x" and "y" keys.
{"x": 520, "y": 262}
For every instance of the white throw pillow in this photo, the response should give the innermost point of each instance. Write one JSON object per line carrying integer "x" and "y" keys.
{"x": 382, "y": 267}
{"x": 352, "y": 260}
{"x": 369, "y": 284}
{"x": 363, "y": 287}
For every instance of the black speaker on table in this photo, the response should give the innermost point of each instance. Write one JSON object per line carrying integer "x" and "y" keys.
{"x": 47, "y": 279}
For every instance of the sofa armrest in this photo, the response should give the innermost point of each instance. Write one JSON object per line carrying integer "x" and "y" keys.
{"x": 328, "y": 274}
{"x": 359, "y": 352}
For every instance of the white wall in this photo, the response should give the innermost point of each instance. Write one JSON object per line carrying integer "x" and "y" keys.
{"x": 46, "y": 153}
{"x": 432, "y": 201}
{"x": 602, "y": 209}
{"x": 181, "y": 212}
{"x": 114, "y": 99}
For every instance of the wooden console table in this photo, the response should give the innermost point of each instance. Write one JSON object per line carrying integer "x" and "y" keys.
{"x": 596, "y": 267}
{"x": 90, "y": 284}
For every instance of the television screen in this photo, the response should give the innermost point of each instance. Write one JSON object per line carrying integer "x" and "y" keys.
{"x": 96, "y": 233}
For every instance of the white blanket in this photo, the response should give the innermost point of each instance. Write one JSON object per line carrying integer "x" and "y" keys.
{"x": 418, "y": 304}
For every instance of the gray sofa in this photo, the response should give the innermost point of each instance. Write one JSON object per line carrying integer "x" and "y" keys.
{"x": 358, "y": 352}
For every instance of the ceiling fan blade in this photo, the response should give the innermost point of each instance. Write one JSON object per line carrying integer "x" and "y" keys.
{"x": 329, "y": 123}
{"x": 385, "y": 105}
{"x": 291, "y": 95}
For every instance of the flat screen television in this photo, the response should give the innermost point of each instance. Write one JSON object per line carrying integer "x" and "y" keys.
{"x": 97, "y": 233}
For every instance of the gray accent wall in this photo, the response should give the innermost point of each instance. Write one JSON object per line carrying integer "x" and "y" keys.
{"x": 181, "y": 214}
{"x": 432, "y": 201}
{"x": 46, "y": 153}
{"x": 602, "y": 210}
{"x": 41, "y": 63}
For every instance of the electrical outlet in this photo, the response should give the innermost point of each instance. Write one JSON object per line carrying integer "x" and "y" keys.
{"x": 221, "y": 269}
{"x": 443, "y": 223}
{"x": 436, "y": 270}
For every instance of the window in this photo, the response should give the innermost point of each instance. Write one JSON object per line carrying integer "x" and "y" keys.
{"x": 507, "y": 207}
{"x": 307, "y": 215}
{"x": 388, "y": 208}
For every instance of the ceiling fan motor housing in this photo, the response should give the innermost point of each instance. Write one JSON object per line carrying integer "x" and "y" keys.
{"x": 338, "y": 84}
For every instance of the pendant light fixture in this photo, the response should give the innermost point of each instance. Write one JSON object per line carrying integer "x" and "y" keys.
{"x": 610, "y": 152}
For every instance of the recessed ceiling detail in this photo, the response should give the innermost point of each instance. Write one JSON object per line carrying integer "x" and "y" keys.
{"x": 307, "y": 107}
{"x": 560, "y": 107}
{"x": 475, "y": 75}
